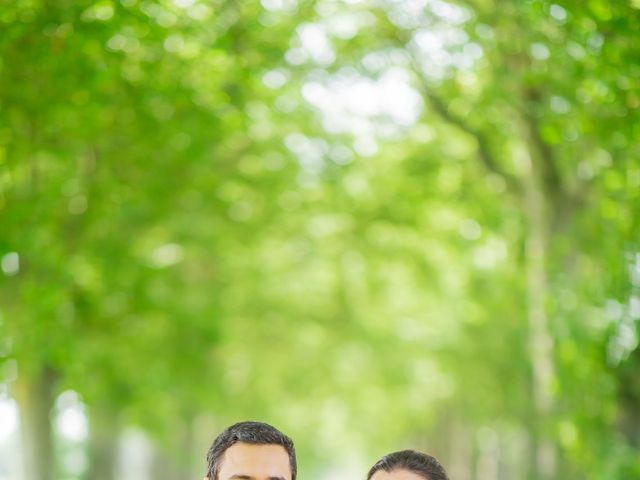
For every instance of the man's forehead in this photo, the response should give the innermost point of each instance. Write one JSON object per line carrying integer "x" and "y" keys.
{"x": 245, "y": 461}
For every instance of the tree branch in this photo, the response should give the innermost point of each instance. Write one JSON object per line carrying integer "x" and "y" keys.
{"x": 551, "y": 178}
{"x": 485, "y": 154}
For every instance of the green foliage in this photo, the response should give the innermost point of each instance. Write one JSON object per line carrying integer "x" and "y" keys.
{"x": 211, "y": 226}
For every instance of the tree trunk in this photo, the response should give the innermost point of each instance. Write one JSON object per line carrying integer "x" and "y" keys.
{"x": 460, "y": 450}
{"x": 161, "y": 468}
{"x": 104, "y": 429}
{"x": 184, "y": 461}
{"x": 488, "y": 459}
{"x": 36, "y": 396}
{"x": 176, "y": 461}
{"x": 540, "y": 340}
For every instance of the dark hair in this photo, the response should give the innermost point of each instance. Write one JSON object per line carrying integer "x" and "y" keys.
{"x": 256, "y": 433}
{"x": 417, "y": 462}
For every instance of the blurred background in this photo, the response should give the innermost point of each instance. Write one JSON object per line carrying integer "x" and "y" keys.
{"x": 375, "y": 224}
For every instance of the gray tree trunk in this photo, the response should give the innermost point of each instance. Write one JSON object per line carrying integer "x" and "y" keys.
{"x": 540, "y": 338}
{"x": 35, "y": 394}
{"x": 104, "y": 430}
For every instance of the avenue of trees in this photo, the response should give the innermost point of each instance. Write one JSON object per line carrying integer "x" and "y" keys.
{"x": 375, "y": 223}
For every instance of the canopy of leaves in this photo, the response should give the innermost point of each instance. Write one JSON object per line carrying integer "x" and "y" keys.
{"x": 320, "y": 214}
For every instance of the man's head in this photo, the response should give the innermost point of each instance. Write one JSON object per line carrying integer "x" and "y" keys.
{"x": 251, "y": 451}
{"x": 407, "y": 465}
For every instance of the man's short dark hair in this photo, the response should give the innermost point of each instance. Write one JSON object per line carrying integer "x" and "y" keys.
{"x": 256, "y": 433}
{"x": 417, "y": 462}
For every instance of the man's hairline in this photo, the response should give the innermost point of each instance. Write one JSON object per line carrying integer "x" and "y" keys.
{"x": 257, "y": 444}
{"x": 399, "y": 468}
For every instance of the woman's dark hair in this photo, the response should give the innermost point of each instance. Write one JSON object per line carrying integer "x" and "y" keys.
{"x": 417, "y": 462}
{"x": 255, "y": 433}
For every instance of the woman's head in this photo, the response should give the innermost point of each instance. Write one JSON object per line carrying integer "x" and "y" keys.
{"x": 407, "y": 465}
